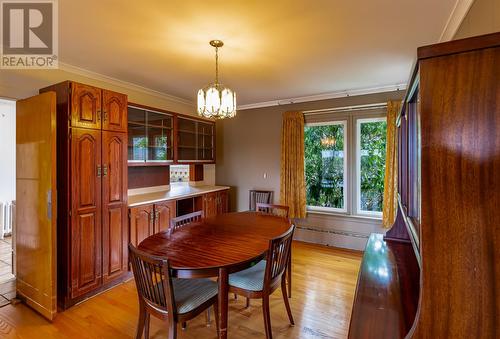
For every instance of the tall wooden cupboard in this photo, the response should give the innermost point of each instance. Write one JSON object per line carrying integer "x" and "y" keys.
{"x": 92, "y": 227}
{"x": 436, "y": 274}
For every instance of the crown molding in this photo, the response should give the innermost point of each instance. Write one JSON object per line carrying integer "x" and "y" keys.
{"x": 134, "y": 87}
{"x": 325, "y": 96}
{"x": 125, "y": 84}
{"x": 455, "y": 19}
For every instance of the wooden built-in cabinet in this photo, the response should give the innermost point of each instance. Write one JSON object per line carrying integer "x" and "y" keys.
{"x": 96, "y": 108}
{"x": 158, "y": 137}
{"x": 86, "y": 225}
{"x": 92, "y": 222}
{"x": 114, "y": 204}
{"x": 215, "y": 203}
{"x": 164, "y": 211}
{"x": 210, "y": 204}
{"x": 148, "y": 219}
{"x": 435, "y": 272}
{"x": 86, "y": 105}
{"x": 223, "y": 203}
{"x": 141, "y": 223}
{"x": 114, "y": 115}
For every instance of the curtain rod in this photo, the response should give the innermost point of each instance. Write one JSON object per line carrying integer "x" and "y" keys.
{"x": 346, "y": 108}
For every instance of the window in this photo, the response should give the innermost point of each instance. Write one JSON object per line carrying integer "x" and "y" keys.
{"x": 345, "y": 162}
{"x": 325, "y": 165}
{"x": 370, "y": 161}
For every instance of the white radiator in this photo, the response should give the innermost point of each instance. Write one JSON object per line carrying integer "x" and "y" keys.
{"x": 7, "y": 218}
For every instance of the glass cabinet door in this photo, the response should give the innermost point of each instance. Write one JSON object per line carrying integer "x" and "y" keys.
{"x": 414, "y": 161}
{"x": 150, "y": 136}
{"x": 186, "y": 147}
{"x": 159, "y": 132}
{"x": 205, "y": 141}
{"x": 137, "y": 139}
{"x": 195, "y": 140}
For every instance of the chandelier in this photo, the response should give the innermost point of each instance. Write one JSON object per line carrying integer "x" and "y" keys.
{"x": 216, "y": 100}
{"x": 328, "y": 141}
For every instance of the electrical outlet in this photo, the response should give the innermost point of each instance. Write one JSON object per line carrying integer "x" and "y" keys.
{"x": 265, "y": 175}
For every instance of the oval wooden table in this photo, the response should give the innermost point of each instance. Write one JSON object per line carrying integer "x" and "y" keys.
{"x": 217, "y": 246}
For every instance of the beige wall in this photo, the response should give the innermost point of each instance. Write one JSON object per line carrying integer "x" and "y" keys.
{"x": 18, "y": 84}
{"x": 483, "y": 17}
{"x": 248, "y": 146}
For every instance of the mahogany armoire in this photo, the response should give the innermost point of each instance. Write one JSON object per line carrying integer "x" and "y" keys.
{"x": 436, "y": 273}
{"x": 92, "y": 224}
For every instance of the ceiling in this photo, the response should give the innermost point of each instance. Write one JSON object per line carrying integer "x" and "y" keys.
{"x": 273, "y": 49}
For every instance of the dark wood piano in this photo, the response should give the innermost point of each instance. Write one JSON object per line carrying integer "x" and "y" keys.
{"x": 436, "y": 273}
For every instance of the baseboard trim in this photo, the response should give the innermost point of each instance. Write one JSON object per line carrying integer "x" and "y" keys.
{"x": 331, "y": 237}
{"x": 344, "y": 233}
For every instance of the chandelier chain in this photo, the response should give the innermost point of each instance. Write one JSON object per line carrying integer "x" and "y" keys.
{"x": 216, "y": 65}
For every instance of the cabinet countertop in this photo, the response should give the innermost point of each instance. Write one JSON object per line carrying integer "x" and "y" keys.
{"x": 175, "y": 192}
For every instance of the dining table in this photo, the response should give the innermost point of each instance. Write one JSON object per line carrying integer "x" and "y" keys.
{"x": 216, "y": 247}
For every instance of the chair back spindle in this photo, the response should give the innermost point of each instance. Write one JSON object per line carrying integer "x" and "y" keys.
{"x": 257, "y": 196}
{"x": 154, "y": 284}
{"x": 277, "y": 210}
{"x": 183, "y": 220}
{"x": 277, "y": 256}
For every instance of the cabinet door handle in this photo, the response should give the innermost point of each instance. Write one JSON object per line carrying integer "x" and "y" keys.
{"x": 98, "y": 115}
{"x": 98, "y": 171}
{"x": 105, "y": 170}
{"x": 105, "y": 115}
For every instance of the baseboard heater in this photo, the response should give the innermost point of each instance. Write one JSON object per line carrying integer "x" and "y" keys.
{"x": 7, "y": 218}
{"x": 337, "y": 232}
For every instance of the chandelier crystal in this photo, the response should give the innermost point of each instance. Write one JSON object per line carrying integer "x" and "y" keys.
{"x": 215, "y": 100}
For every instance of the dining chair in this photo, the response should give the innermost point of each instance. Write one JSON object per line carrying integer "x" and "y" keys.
{"x": 259, "y": 196}
{"x": 179, "y": 222}
{"x": 281, "y": 211}
{"x": 183, "y": 220}
{"x": 261, "y": 280}
{"x": 272, "y": 209}
{"x": 167, "y": 298}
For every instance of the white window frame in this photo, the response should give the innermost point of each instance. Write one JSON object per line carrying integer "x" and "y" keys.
{"x": 359, "y": 211}
{"x": 342, "y": 122}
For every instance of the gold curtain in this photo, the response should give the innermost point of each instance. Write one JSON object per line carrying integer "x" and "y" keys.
{"x": 391, "y": 166}
{"x": 293, "y": 186}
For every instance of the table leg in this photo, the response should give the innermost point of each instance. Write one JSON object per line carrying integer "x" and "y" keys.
{"x": 223, "y": 302}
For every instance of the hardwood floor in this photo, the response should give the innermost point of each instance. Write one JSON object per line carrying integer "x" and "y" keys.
{"x": 324, "y": 281}
{"x": 6, "y": 259}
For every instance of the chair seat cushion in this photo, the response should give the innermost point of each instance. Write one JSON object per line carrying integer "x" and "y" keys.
{"x": 191, "y": 293}
{"x": 251, "y": 279}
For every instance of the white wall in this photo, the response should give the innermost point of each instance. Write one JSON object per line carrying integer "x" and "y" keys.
{"x": 7, "y": 150}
